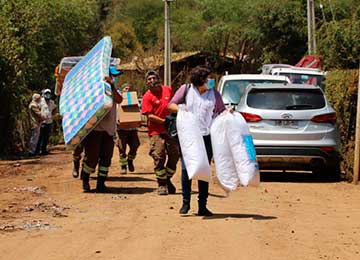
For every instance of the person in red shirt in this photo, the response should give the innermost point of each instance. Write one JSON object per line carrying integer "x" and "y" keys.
{"x": 164, "y": 149}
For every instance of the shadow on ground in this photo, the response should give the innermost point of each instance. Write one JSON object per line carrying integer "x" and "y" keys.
{"x": 235, "y": 215}
{"x": 129, "y": 190}
{"x": 144, "y": 173}
{"x": 210, "y": 194}
{"x": 293, "y": 176}
{"x": 127, "y": 178}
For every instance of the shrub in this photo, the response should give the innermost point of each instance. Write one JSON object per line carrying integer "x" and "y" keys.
{"x": 341, "y": 91}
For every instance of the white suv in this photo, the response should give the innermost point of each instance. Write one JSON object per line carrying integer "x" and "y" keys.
{"x": 232, "y": 87}
{"x": 296, "y": 75}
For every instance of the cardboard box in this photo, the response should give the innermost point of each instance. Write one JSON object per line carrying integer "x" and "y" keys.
{"x": 129, "y": 115}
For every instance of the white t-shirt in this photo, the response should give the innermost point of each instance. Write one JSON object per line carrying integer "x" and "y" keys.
{"x": 47, "y": 108}
{"x": 202, "y": 106}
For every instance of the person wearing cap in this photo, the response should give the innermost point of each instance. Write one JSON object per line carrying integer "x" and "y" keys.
{"x": 48, "y": 108}
{"x": 99, "y": 143}
{"x": 164, "y": 149}
{"x": 36, "y": 117}
{"x": 127, "y": 137}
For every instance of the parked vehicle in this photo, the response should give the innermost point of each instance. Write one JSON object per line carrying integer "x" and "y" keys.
{"x": 297, "y": 75}
{"x": 232, "y": 87}
{"x": 66, "y": 64}
{"x": 293, "y": 126}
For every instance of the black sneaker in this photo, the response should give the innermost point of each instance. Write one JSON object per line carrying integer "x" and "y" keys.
{"x": 131, "y": 165}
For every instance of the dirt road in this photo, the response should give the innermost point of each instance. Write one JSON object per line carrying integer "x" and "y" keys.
{"x": 44, "y": 215}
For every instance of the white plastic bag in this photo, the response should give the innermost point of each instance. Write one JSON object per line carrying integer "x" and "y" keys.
{"x": 223, "y": 159}
{"x": 192, "y": 145}
{"x": 243, "y": 150}
{"x": 234, "y": 152}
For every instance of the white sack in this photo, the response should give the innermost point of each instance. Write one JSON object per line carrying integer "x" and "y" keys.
{"x": 223, "y": 158}
{"x": 243, "y": 150}
{"x": 234, "y": 152}
{"x": 192, "y": 145}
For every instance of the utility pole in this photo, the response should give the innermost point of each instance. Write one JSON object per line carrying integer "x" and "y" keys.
{"x": 311, "y": 27}
{"x": 167, "y": 54}
{"x": 357, "y": 137}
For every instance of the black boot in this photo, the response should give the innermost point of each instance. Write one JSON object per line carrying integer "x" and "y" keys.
{"x": 171, "y": 188}
{"x": 185, "y": 207}
{"x": 203, "y": 211}
{"x": 75, "y": 172}
{"x": 100, "y": 185}
{"x": 162, "y": 190}
{"x": 131, "y": 165}
{"x": 85, "y": 181}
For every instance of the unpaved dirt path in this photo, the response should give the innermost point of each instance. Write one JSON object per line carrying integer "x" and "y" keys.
{"x": 44, "y": 215}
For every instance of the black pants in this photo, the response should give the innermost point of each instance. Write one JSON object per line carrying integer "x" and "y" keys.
{"x": 203, "y": 186}
{"x": 130, "y": 138}
{"x": 77, "y": 152}
{"x": 45, "y": 130}
{"x": 99, "y": 147}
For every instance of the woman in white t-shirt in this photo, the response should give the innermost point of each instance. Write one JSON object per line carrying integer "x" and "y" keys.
{"x": 205, "y": 102}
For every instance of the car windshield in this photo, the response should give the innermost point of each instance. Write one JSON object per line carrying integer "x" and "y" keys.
{"x": 234, "y": 89}
{"x": 304, "y": 78}
{"x": 286, "y": 99}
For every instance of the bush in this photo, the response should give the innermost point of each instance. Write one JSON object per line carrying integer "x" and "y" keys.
{"x": 341, "y": 91}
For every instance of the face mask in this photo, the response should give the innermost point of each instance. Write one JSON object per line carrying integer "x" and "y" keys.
{"x": 210, "y": 83}
{"x": 47, "y": 96}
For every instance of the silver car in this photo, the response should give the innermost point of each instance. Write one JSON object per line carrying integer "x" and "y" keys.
{"x": 293, "y": 126}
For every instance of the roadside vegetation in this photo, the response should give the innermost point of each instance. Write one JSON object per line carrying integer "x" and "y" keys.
{"x": 36, "y": 34}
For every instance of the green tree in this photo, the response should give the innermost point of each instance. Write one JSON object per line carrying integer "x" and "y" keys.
{"x": 339, "y": 36}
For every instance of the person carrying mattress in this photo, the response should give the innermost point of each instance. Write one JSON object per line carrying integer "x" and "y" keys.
{"x": 99, "y": 143}
{"x": 205, "y": 102}
{"x": 164, "y": 149}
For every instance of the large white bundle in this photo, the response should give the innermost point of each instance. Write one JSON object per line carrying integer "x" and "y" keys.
{"x": 223, "y": 158}
{"x": 243, "y": 150}
{"x": 234, "y": 152}
{"x": 192, "y": 145}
